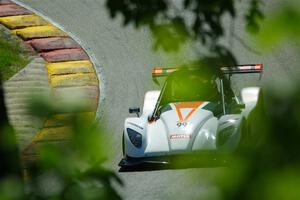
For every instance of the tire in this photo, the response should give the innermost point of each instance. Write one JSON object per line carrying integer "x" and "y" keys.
{"x": 123, "y": 145}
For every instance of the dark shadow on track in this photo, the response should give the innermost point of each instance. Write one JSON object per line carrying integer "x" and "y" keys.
{"x": 143, "y": 168}
{"x": 202, "y": 160}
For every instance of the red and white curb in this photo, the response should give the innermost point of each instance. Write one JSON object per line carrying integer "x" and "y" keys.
{"x": 70, "y": 68}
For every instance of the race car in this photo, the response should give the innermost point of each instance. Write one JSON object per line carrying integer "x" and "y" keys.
{"x": 194, "y": 111}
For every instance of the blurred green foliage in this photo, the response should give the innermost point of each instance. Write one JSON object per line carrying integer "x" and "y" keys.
{"x": 254, "y": 16}
{"x": 11, "y": 186}
{"x": 174, "y": 23}
{"x": 68, "y": 169}
{"x": 71, "y": 169}
{"x": 266, "y": 165}
{"x": 281, "y": 25}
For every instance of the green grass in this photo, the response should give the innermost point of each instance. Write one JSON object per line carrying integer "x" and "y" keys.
{"x": 12, "y": 58}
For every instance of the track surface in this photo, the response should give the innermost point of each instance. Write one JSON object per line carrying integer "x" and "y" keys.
{"x": 126, "y": 57}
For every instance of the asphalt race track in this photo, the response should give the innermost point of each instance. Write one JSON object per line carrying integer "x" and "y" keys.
{"x": 127, "y": 58}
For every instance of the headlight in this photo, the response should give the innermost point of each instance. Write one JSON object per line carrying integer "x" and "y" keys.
{"x": 135, "y": 138}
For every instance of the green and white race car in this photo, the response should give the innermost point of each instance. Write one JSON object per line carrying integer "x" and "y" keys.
{"x": 192, "y": 112}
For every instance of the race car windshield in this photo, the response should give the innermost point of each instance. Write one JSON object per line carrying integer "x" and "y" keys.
{"x": 187, "y": 86}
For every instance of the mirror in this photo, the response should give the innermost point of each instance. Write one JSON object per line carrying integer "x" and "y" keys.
{"x": 150, "y": 118}
{"x": 134, "y": 110}
{"x": 250, "y": 94}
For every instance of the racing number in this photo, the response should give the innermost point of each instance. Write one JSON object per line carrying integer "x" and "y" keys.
{"x": 181, "y": 124}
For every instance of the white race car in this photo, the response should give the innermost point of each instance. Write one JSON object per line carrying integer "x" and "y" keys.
{"x": 191, "y": 113}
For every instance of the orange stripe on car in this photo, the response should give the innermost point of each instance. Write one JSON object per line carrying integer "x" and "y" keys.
{"x": 179, "y": 114}
{"x": 192, "y": 105}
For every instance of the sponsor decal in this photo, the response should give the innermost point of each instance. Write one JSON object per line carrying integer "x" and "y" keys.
{"x": 180, "y": 136}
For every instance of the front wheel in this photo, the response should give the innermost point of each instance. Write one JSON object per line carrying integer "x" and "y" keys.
{"x": 123, "y": 145}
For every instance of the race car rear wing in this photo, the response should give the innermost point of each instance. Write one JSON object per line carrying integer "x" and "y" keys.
{"x": 230, "y": 70}
{"x": 239, "y": 69}
{"x": 160, "y": 72}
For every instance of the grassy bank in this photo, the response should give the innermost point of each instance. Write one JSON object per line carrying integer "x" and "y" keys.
{"x": 12, "y": 58}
